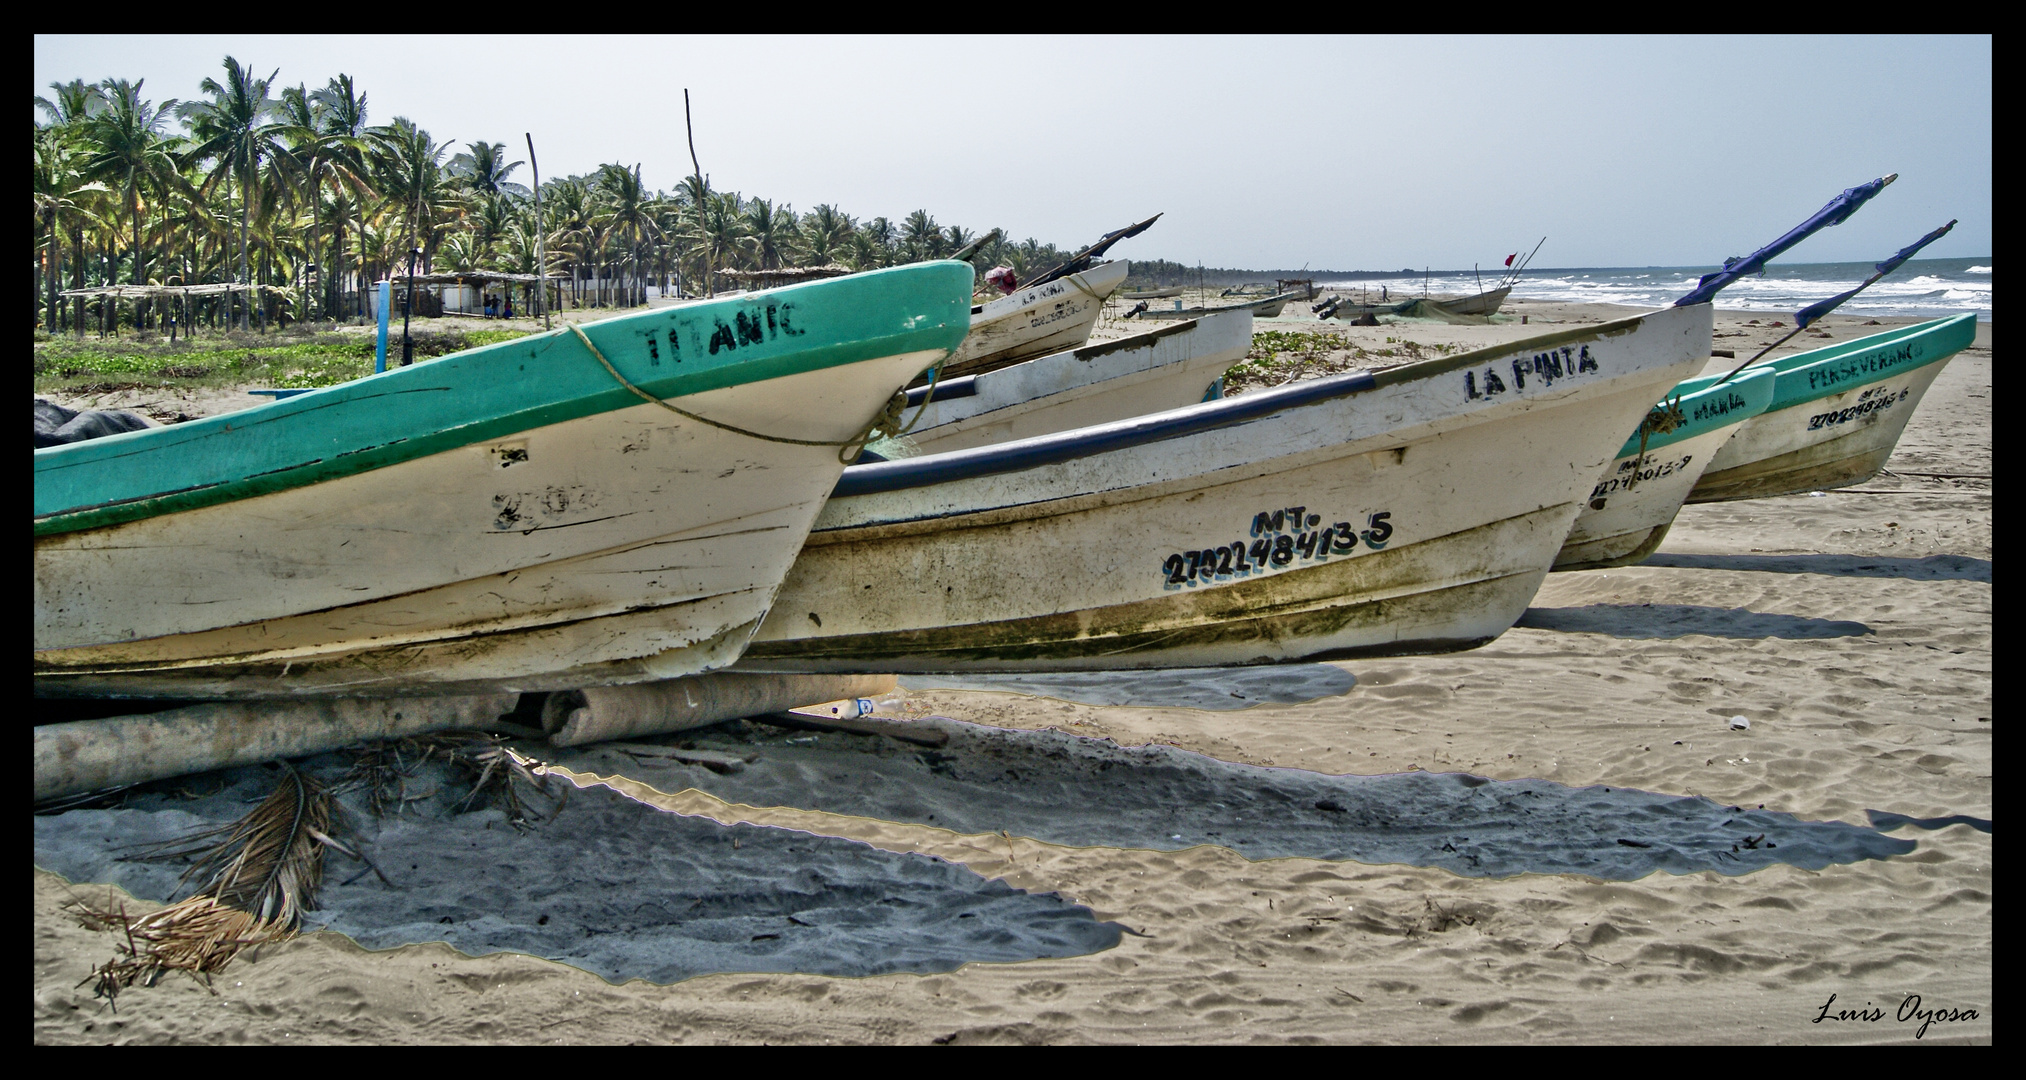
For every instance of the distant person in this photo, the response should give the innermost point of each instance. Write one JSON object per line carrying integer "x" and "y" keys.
{"x": 1382, "y": 294}
{"x": 509, "y": 306}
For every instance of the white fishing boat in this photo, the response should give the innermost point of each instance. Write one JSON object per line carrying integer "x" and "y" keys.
{"x": 1036, "y": 321}
{"x": 1836, "y": 413}
{"x": 1411, "y": 510}
{"x": 1634, "y": 502}
{"x": 1146, "y": 373}
{"x": 610, "y": 503}
{"x": 1265, "y": 307}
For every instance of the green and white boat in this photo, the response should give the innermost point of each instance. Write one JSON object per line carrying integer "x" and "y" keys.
{"x": 1836, "y": 413}
{"x": 605, "y": 504}
{"x": 1635, "y": 501}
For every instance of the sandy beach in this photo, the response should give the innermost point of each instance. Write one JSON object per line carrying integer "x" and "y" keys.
{"x": 1097, "y": 860}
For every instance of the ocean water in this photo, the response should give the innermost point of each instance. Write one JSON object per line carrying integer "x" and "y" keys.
{"x": 1928, "y": 288}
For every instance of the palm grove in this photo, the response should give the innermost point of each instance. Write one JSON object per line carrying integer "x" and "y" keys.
{"x": 293, "y": 191}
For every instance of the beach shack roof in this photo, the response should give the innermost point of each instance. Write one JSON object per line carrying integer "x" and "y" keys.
{"x": 149, "y": 292}
{"x": 476, "y": 277}
{"x": 786, "y": 275}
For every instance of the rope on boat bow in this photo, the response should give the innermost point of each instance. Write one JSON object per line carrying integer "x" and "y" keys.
{"x": 847, "y": 451}
{"x": 1660, "y": 420}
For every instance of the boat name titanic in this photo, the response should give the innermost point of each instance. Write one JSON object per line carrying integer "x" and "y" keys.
{"x": 746, "y": 328}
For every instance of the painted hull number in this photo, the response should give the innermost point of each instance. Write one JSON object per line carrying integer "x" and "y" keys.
{"x": 1873, "y": 401}
{"x": 1649, "y": 469}
{"x": 1279, "y": 538}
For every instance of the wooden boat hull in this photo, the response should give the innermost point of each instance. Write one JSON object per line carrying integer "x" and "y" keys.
{"x": 1152, "y": 294}
{"x": 1152, "y": 372}
{"x": 1484, "y": 303}
{"x": 1413, "y": 510}
{"x": 627, "y": 544}
{"x": 1038, "y": 321}
{"x": 1837, "y": 414}
{"x": 1265, "y": 308}
{"x": 1637, "y": 497}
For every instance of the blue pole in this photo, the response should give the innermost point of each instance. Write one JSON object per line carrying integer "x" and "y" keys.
{"x": 380, "y": 351}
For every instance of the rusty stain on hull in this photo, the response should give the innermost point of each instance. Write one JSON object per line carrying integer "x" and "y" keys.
{"x": 1791, "y": 473}
{"x": 428, "y": 668}
{"x": 1604, "y": 553}
{"x": 1277, "y": 613}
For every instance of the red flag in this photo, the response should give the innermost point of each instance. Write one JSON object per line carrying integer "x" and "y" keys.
{"x": 1511, "y": 257}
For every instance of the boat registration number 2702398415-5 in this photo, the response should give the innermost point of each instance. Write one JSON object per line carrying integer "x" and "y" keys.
{"x": 1279, "y": 538}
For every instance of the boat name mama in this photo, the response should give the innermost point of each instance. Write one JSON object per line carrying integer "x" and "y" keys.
{"x": 1545, "y": 366}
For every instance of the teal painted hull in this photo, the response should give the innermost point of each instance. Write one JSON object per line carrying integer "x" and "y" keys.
{"x": 1836, "y": 414}
{"x": 491, "y": 392}
{"x": 1707, "y": 405}
{"x": 510, "y": 518}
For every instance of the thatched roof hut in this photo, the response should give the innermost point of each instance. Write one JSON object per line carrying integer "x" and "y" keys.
{"x": 785, "y": 275}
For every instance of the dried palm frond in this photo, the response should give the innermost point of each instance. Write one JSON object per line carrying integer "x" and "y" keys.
{"x": 385, "y": 769}
{"x": 497, "y": 769}
{"x": 262, "y": 874}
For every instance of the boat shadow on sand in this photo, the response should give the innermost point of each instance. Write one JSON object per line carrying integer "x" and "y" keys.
{"x": 1681, "y": 620}
{"x": 1082, "y": 792}
{"x": 608, "y": 884}
{"x": 1931, "y": 568}
{"x": 1212, "y": 689}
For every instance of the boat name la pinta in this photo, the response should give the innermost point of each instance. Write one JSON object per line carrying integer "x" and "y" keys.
{"x": 1547, "y": 367}
{"x": 746, "y": 328}
{"x": 1868, "y": 366}
{"x": 1282, "y": 535}
{"x": 1876, "y": 399}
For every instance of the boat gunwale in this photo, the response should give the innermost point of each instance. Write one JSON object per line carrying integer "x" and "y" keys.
{"x": 1798, "y": 363}
{"x": 1747, "y": 380}
{"x": 933, "y": 469}
{"x": 364, "y": 454}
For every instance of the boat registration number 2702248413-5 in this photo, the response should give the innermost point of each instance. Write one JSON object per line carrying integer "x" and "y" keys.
{"x": 1279, "y": 538}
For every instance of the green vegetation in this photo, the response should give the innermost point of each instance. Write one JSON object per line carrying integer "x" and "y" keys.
{"x": 1278, "y": 353}
{"x": 277, "y": 360}
{"x": 291, "y": 189}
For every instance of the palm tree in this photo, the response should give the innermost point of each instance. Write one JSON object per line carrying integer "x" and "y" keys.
{"x": 341, "y": 109}
{"x": 773, "y": 231}
{"x": 826, "y": 234}
{"x": 127, "y": 147}
{"x": 408, "y": 169}
{"x": 921, "y": 238}
{"x": 873, "y": 244}
{"x": 235, "y": 132}
{"x": 484, "y": 169}
{"x": 630, "y": 209}
{"x": 60, "y": 190}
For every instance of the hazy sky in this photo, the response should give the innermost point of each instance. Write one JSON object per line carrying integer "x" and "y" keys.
{"x": 1340, "y": 153}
